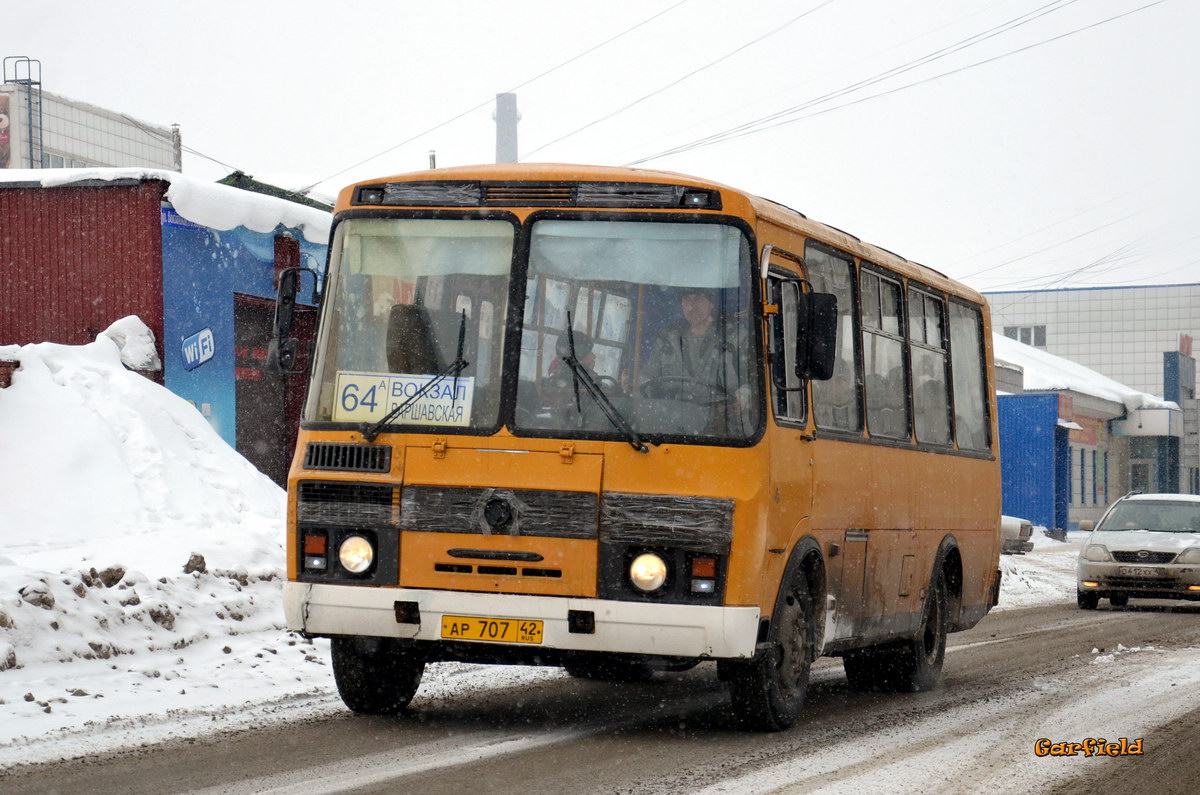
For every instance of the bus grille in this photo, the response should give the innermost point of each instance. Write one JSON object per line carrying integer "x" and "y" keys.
{"x": 348, "y": 457}
{"x": 518, "y": 194}
{"x": 533, "y": 512}
{"x": 356, "y": 504}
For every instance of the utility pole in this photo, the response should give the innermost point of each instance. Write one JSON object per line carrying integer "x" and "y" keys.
{"x": 506, "y": 117}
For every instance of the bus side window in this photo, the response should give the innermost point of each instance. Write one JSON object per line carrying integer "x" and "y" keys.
{"x": 883, "y": 357}
{"x": 927, "y": 362}
{"x": 971, "y": 425}
{"x": 786, "y": 386}
{"x": 836, "y": 402}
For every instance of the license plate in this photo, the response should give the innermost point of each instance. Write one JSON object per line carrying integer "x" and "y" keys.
{"x": 1139, "y": 571}
{"x": 500, "y": 630}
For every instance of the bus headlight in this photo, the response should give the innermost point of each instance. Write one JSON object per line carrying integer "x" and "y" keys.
{"x": 648, "y": 572}
{"x": 356, "y": 554}
{"x": 1096, "y": 552}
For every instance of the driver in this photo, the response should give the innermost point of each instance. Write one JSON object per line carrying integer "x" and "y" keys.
{"x": 697, "y": 353}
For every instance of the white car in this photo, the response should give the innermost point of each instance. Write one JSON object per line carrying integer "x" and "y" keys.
{"x": 1146, "y": 545}
{"x": 1015, "y": 535}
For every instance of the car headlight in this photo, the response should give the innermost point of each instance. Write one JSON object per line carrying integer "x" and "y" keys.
{"x": 1189, "y": 555}
{"x": 1096, "y": 552}
{"x": 356, "y": 554}
{"x": 648, "y": 572}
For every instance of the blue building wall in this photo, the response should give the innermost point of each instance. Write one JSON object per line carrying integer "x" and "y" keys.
{"x": 1034, "y": 468}
{"x": 202, "y": 270}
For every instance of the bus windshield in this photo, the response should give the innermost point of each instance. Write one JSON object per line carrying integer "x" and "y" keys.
{"x": 409, "y": 300}
{"x": 656, "y": 315}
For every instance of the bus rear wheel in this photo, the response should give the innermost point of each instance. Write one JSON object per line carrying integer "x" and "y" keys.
{"x": 911, "y": 666}
{"x": 768, "y": 691}
{"x": 375, "y": 676}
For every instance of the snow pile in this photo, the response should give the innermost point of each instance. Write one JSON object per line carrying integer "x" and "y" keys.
{"x": 141, "y": 556}
{"x": 205, "y": 203}
{"x": 135, "y": 341}
{"x": 1043, "y": 576}
{"x": 1045, "y": 372}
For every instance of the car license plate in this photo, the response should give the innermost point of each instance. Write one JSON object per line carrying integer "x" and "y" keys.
{"x": 500, "y": 630}
{"x": 1139, "y": 571}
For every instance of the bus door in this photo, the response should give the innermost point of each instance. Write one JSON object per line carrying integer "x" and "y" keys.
{"x": 790, "y": 497}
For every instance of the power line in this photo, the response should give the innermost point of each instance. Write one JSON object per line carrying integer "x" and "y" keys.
{"x": 760, "y": 125}
{"x": 160, "y": 134}
{"x": 764, "y": 122}
{"x": 840, "y": 68}
{"x": 1038, "y": 231}
{"x": 1056, "y": 244}
{"x": 489, "y": 101}
{"x": 674, "y": 83}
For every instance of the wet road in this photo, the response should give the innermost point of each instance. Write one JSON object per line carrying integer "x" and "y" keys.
{"x": 1050, "y": 672}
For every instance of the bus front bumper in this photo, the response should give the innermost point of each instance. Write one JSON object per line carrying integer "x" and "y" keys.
{"x": 669, "y": 630}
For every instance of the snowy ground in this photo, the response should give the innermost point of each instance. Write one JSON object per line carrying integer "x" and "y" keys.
{"x": 140, "y": 566}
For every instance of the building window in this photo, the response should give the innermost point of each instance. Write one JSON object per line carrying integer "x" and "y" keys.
{"x": 1030, "y": 335}
{"x": 1071, "y": 478}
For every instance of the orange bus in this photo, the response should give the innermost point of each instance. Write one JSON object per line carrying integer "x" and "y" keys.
{"x": 624, "y": 421}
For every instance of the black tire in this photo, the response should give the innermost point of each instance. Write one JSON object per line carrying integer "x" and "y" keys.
{"x": 768, "y": 691}
{"x": 918, "y": 663}
{"x": 1087, "y": 600}
{"x": 375, "y": 676}
{"x": 1118, "y": 601}
{"x": 617, "y": 670}
{"x": 910, "y": 666}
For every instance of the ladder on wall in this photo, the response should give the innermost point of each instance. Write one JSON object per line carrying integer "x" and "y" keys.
{"x": 26, "y": 72}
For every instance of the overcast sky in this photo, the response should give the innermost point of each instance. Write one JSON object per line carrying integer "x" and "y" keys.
{"x": 1009, "y": 143}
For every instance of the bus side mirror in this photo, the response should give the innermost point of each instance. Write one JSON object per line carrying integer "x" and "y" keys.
{"x": 281, "y": 350}
{"x": 285, "y": 301}
{"x": 816, "y": 335}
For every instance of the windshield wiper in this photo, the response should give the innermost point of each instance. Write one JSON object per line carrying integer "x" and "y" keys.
{"x": 371, "y": 430}
{"x": 580, "y": 375}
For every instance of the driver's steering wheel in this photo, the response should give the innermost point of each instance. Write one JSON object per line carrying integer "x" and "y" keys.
{"x": 688, "y": 390}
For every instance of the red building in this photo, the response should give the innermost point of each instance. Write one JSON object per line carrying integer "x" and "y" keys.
{"x": 80, "y": 249}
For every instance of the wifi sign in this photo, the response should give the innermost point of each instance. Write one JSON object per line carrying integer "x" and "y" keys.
{"x": 198, "y": 349}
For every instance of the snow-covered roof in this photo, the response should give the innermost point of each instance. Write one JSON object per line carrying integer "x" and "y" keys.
{"x": 1045, "y": 372}
{"x": 205, "y": 203}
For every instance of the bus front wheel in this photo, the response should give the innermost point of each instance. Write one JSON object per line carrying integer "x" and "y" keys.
{"x": 768, "y": 690}
{"x": 375, "y": 676}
